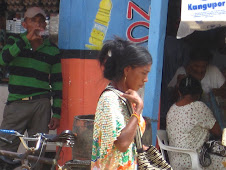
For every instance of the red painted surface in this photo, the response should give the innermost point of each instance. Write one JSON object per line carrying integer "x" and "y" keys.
{"x": 82, "y": 84}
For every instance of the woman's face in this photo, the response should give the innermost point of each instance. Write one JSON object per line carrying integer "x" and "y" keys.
{"x": 136, "y": 77}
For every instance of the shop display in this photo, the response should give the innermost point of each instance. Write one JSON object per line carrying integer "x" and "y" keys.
{"x": 53, "y": 26}
{"x": 16, "y": 9}
{"x": 31, "y": 2}
{"x": 50, "y": 6}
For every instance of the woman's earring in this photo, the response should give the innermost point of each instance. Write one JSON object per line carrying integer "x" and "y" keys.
{"x": 125, "y": 80}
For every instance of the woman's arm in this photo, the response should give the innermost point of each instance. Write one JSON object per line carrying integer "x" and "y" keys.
{"x": 216, "y": 130}
{"x": 128, "y": 133}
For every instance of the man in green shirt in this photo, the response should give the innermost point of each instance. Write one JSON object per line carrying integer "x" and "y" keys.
{"x": 35, "y": 77}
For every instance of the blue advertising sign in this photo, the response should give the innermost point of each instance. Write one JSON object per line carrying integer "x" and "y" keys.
{"x": 93, "y": 21}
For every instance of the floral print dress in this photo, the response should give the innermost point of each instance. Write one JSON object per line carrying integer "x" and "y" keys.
{"x": 188, "y": 127}
{"x": 111, "y": 117}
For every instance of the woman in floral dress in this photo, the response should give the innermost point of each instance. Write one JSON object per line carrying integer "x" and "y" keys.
{"x": 126, "y": 66}
{"x": 189, "y": 123}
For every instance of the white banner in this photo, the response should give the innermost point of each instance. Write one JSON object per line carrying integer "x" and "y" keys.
{"x": 201, "y": 15}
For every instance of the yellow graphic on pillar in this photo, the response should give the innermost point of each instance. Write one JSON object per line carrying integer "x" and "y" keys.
{"x": 100, "y": 25}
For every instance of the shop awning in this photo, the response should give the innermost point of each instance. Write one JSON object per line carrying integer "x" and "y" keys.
{"x": 201, "y": 15}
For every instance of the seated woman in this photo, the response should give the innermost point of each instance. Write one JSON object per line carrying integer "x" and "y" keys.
{"x": 189, "y": 123}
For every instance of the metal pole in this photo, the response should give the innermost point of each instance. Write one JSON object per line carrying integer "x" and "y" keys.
{"x": 157, "y": 30}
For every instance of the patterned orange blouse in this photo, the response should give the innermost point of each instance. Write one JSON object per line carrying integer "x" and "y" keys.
{"x": 111, "y": 117}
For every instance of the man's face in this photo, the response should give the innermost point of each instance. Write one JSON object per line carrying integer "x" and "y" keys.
{"x": 198, "y": 69}
{"x": 37, "y": 22}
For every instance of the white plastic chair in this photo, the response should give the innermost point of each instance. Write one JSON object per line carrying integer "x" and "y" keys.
{"x": 163, "y": 144}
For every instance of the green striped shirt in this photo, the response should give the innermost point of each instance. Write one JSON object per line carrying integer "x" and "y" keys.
{"x": 31, "y": 72}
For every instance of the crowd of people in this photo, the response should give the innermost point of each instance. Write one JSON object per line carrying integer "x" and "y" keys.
{"x": 35, "y": 78}
{"x": 190, "y": 120}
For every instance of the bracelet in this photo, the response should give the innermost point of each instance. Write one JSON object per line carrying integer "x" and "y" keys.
{"x": 136, "y": 115}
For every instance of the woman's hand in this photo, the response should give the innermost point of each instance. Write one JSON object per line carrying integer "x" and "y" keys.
{"x": 145, "y": 147}
{"x": 134, "y": 99}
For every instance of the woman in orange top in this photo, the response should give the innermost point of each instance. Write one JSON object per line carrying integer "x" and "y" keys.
{"x": 126, "y": 65}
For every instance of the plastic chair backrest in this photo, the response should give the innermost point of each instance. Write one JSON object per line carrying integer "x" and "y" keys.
{"x": 162, "y": 140}
{"x": 163, "y": 144}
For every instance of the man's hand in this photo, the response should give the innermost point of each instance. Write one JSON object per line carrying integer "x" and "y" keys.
{"x": 34, "y": 34}
{"x": 54, "y": 123}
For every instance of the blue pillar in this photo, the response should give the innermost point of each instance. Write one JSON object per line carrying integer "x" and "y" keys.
{"x": 157, "y": 30}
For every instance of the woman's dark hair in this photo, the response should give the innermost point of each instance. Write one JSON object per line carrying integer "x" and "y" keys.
{"x": 117, "y": 54}
{"x": 190, "y": 85}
